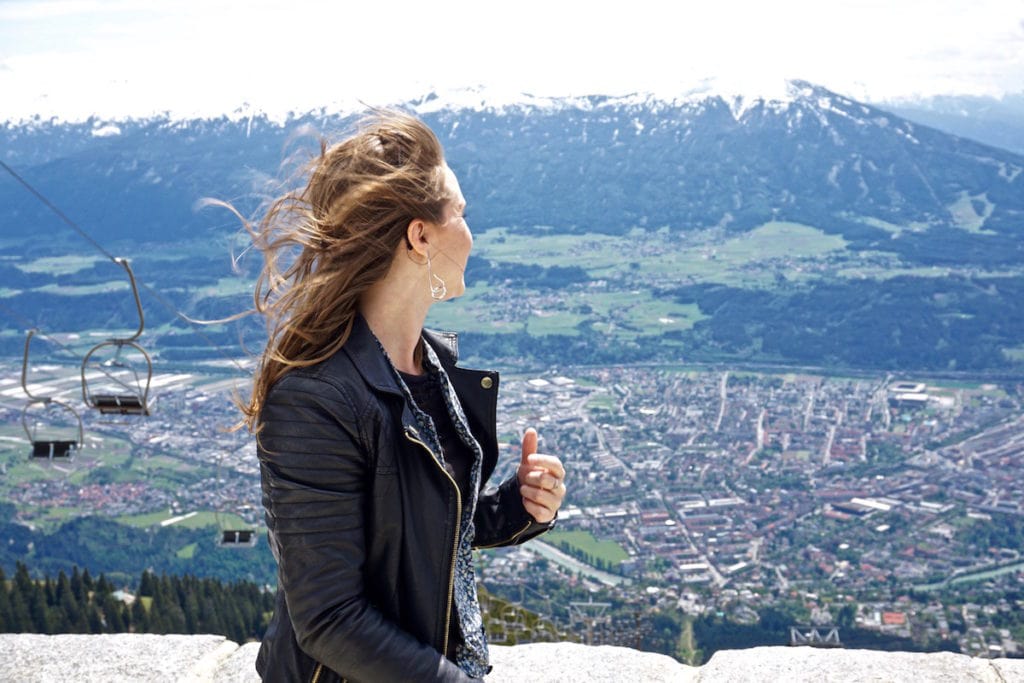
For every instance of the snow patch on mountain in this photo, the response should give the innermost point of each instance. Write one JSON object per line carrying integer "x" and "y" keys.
{"x": 105, "y": 130}
{"x": 740, "y": 97}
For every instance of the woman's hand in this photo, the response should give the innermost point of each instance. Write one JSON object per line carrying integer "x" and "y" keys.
{"x": 541, "y": 480}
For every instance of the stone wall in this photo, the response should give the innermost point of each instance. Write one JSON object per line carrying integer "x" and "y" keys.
{"x": 30, "y": 658}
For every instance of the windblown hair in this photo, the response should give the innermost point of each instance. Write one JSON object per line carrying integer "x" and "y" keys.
{"x": 345, "y": 226}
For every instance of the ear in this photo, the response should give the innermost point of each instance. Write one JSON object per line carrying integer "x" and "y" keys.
{"x": 416, "y": 237}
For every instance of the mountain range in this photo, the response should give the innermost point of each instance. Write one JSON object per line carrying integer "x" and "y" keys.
{"x": 902, "y": 194}
{"x": 996, "y": 122}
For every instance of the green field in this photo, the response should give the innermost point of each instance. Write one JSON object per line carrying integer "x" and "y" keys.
{"x": 200, "y": 520}
{"x": 188, "y": 552}
{"x": 779, "y": 240}
{"x": 641, "y": 260}
{"x": 663, "y": 257}
{"x": 602, "y": 402}
{"x": 584, "y": 542}
{"x": 230, "y": 286}
{"x": 890, "y": 227}
{"x": 54, "y": 516}
{"x": 82, "y": 290}
{"x": 105, "y": 459}
{"x": 15, "y": 450}
{"x": 59, "y": 265}
{"x": 472, "y": 311}
{"x": 965, "y": 214}
{"x": 1015, "y": 353}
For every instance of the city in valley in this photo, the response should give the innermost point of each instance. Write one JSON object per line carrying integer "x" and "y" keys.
{"x": 879, "y": 503}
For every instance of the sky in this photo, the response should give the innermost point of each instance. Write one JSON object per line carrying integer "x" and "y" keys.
{"x": 117, "y": 58}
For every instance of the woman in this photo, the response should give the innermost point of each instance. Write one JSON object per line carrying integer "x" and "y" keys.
{"x": 374, "y": 446}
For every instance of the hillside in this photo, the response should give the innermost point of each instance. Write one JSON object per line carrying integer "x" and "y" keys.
{"x": 808, "y": 229}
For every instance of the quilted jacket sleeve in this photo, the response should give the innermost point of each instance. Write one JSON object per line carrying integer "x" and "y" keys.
{"x": 501, "y": 518}
{"x": 314, "y": 471}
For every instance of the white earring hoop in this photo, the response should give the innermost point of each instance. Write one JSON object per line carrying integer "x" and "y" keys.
{"x": 438, "y": 288}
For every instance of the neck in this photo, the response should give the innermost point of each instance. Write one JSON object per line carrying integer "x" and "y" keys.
{"x": 395, "y": 311}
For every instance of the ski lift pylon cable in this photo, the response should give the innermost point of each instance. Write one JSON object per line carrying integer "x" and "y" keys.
{"x": 152, "y": 292}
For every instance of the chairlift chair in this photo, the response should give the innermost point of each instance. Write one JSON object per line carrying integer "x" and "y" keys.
{"x": 134, "y": 399}
{"x": 231, "y": 536}
{"x": 50, "y": 445}
{"x": 237, "y": 538}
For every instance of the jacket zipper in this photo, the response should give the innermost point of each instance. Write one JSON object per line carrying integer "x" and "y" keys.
{"x": 455, "y": 542}
{"x": 319, "y": 670}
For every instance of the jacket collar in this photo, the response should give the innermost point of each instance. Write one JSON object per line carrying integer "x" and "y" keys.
{"x": 368, "y": 356}
{"x": 445, "y": 345}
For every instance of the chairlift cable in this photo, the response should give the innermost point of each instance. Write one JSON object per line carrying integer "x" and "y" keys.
{"x": 163, "y": 301}
{"x": 52, "y": 207}
{"x": 63, "y": 347}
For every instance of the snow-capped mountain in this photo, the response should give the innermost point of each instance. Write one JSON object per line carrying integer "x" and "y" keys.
{"x": 995, "y": 121}
{"x": 902, "y": 195}
{"x": 603, "y": 164}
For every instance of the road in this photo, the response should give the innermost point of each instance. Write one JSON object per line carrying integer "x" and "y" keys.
{"x": 550, "y": 552}
{"x": 723, "y": 393}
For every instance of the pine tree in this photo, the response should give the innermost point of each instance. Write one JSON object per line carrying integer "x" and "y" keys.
{"x": 172, "y": 613}
{"x": 6, "y": 613}
{"x": 78, "y": 588}
{"x": 95, "y": 619}
{"x": 57, "y": 621}
{"x": 102, "y": 586}
{"x": 72, "y": 620}
{"x": 23, "y": 582}
{"x": 126, "y": 617}
{"x": 112, "y": 614}
{"x": 140, "y": 618}
{"x": 174, "y": 618}
{"x": 209, "y": 617}
{"x": 87, "y": 583}
{"x": 21, "y": 619}
{"x": 147, "y": 585}
{"x": 36, "y": 600}
{"x": 237, "y": 626}
{"x": 61, "y": 587}
{"x": 192, "y": 624}
{"x": 50, "y": 590}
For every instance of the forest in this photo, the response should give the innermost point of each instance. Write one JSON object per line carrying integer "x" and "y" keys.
{"x": 78, "y": 603}
{"x": 124, "y": 551}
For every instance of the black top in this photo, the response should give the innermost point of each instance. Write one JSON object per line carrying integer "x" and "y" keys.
{"x": 457, "y": 456}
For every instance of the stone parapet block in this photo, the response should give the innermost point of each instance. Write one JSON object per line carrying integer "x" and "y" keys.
{"x": 130, "y": 658}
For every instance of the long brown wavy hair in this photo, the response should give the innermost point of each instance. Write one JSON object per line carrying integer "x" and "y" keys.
{"x": 326, "y": 243}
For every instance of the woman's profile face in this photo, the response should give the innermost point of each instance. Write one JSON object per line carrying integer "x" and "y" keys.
{"x": 454, "y": 240}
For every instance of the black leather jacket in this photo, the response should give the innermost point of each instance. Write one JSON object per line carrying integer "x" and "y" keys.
{"x": 364, "y": 521}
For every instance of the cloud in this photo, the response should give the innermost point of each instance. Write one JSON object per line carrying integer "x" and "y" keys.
{"x": 209, "y": 56}
{"x": 46, "y": 10}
